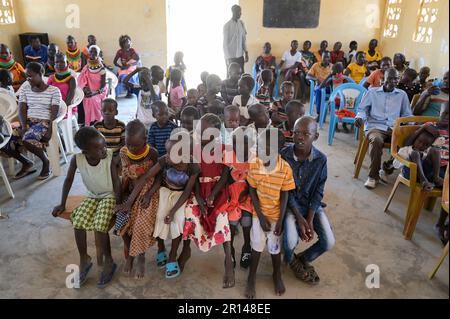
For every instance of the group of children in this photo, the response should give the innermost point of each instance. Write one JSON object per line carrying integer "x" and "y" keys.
{"x": 148, "y": 196}
{"x": 142, "y": 184}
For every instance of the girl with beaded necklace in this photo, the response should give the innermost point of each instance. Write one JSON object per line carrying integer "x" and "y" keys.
{"x": 74, "y": 54}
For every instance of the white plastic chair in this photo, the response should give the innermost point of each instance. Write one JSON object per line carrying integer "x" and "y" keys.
{"x": 55, "y": 144}
{"x": 8, "y": 107}
{"x": 2, "y": 170}
{"x": 112, "y": 81}
{"x": 70, "y": 124}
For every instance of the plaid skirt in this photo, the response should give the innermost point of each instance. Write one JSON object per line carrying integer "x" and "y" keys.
{"x": 94, "y": 214}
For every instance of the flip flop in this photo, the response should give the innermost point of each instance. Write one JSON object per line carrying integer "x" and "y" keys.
{"x": 161, "y": 260}
{"x": 84, "y": 274}
{"x": 105, "y": 280}
{"x": 170, "y": 268}
{"x": 44, "y": 178}
{"x": 245, "y": 260}
{"x": 24, "y": 174}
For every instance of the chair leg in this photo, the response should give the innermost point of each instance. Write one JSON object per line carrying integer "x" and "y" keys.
{"x": 360, "y": 143}
{"x": 5, "y": 180}
{"x": 414, "y": 208}
{"x": 61, "y": 148}
{"x": 53, "y": 153}
{"x": 391, "y": 196}
{"x": 361, "y": 155}
{"x": 12, "y": 166}
{"x": 430, "y": 203}
{"x": 439, "y": 264}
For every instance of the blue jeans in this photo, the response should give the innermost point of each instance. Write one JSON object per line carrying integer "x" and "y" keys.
{"x": 318, "y": 95}
{"x": 292, "y": 236}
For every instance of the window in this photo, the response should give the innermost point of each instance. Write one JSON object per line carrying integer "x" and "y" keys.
{"x": 426, "y": 17}
{"x": 393, "y": 14}
{"x": 7, "y": 12}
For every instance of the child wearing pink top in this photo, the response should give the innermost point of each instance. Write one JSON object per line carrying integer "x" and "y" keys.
{"x": 177, "y": 98}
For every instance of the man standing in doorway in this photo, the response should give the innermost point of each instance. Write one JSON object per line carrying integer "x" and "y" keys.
{"x": 235, "y": 39}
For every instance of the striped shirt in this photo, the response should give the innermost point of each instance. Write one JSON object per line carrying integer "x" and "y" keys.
{"x": 115, "y": 137}
{"x": 269, "y": 185}
{"x": 40, "y": 103}
{"x": 157, "y": 136}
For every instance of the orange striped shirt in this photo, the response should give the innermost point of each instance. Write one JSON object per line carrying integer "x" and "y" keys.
{"x": 269, "y": 185}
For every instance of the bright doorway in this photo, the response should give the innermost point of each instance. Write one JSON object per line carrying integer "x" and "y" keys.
{"x": 195, "y": 27}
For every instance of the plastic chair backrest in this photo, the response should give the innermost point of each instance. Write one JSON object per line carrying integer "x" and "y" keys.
{"x": 255, "y": 75}
{"x": 363, "y": 81}
{"x": 340, "y": 91}
{"x": 402, "y": 130}
{"x": 8, "y": 107}
{"x": 349, "y": 79}
{"x": 78, "y": 98}
{"x": 62, "y": 112}
{"x": 113, "y": 77}
{"x": 9, "y": 129}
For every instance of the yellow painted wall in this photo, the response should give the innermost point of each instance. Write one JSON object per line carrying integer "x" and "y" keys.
{"x": 143, "y": 20}
{"x": 9, "y": 33}
{"x": 435, "y": 54}
{"x": 340, "y": 20}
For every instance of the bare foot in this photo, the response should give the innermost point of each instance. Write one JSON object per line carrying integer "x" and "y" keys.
{"x": 140, "y": 267}
{"x": 128, "y": 266}
{"x": 427, "y": 186}
{"x": 228, "y": 279}
{"x": 250, "y": 290}
{"x": 439, "y": 182}
{"x": 278, "y": 284}
{"x": 184, "y": 257}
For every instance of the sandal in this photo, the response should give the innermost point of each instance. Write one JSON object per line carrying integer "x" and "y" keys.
{"x": 305, "y": 272}
{"x": 161, "y": 260}
{"x": 45, "y": 177}
{"x": 106, "y": 279}
{"x": 172, "y": 270}
{"x": 245, "y": 260}
{"x": 21, "y": 175}
{"x": 84, "y": 274}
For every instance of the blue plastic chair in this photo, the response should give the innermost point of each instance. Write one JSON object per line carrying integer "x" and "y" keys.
{"x": 312, "y": 97}
{"x": 324, "y": 105}
{"x": 340, "y": 91}
{"x": 254, "y": 75}
{"x": 363, "y": 81}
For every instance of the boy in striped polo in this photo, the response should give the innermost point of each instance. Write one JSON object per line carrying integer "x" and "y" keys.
{"x": 160, "y": 131}
{"x": 270, "y": 180}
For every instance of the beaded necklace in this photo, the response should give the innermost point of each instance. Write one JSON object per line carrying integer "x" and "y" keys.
{"x": 63, "y": 76}
{"x": 7, "y": 64}
{"x": 140, "y": 155}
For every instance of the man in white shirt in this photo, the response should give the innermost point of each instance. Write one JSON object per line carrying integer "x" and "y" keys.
{"x": 235, "y": 39}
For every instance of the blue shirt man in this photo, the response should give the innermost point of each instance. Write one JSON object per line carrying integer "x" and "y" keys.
{"x": 36, "y": 52}
{"x": 379, "y": 110}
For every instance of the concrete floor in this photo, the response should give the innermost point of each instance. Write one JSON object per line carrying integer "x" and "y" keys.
{"x": 35, "y": 248}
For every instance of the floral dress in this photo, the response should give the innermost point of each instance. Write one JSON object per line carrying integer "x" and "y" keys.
{"x": 213, "y": 229}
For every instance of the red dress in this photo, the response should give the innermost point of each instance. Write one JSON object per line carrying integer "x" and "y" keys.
{"x": 212, "y": 229}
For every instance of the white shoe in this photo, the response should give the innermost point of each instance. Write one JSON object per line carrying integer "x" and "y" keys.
{"x": 371, "y": 183}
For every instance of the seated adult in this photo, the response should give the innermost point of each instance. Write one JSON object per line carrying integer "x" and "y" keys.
{"x": 378, "y": 111}
{"x": 38, "y": 108}
{"x": 432, "y": 100}
{"x": 292, "y": 68}
{"x": 35, "y": 51}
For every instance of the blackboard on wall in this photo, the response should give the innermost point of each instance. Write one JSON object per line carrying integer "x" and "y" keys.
{"x": 291, "y": 14}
